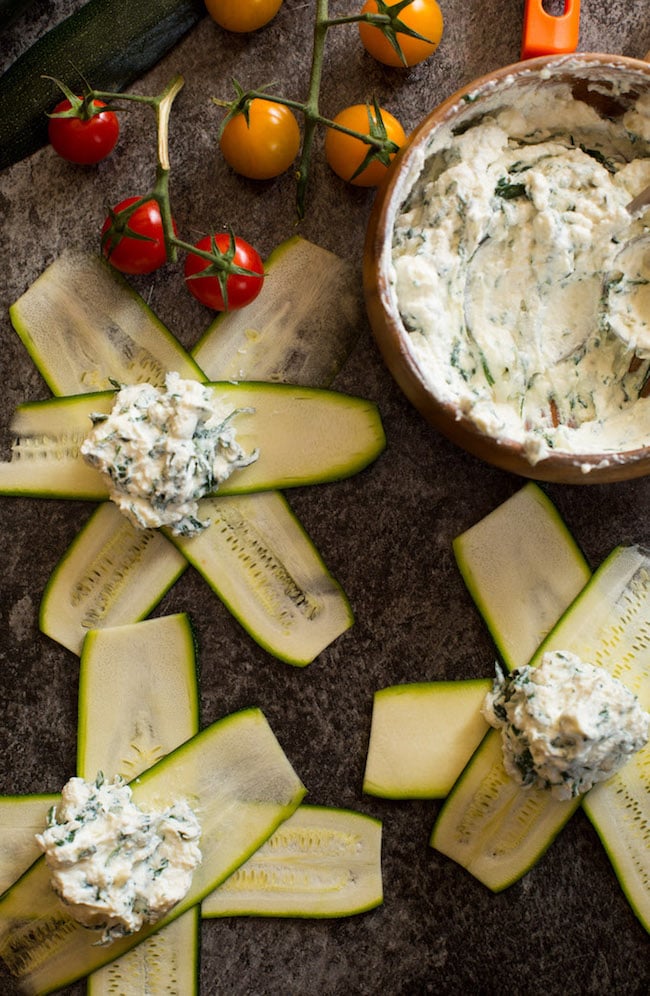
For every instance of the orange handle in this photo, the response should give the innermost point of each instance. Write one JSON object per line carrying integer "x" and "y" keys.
{"x": 548, "y": 34}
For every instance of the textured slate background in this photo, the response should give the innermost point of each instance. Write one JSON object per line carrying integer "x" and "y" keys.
{"x": 566, "y": 927}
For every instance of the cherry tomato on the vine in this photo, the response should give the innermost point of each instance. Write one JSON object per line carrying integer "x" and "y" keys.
{"x": 266, "y": 144}
{"x": 146, "y": 251}
{"x": 346, "y": 153}
{"x": 242, "y": 15}
{"x": 423, "y": 16}
{"x": 241, "y": 288}
{"x": 83, "y": 141}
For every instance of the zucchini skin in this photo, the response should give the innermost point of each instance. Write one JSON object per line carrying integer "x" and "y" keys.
{"x": 109, "y": 43}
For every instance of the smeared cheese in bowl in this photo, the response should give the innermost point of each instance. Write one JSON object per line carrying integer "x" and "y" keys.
{"x": 508, "y": 273}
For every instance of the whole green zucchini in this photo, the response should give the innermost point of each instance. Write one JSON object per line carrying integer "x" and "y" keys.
{"x": 109, "y": 43}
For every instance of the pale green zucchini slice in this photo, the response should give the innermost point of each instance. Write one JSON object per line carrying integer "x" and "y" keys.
{"x": 241, "y": 785}
{"x": 421, "y": 737}
{"x": 300, "y": 329}
{"x": 619, "y": 810}
{"x": 21, "y": 817}
{"x": 304, "y": 436}
{"x": 522, "y": 568}
{"x": 165, "y": 964}
{"x": 111, "y": 574}
{"x": 286, "y": 604}
{"x": 492, "y": 827}
{"x": 321, "y": 862}
{"x": 83, "y": 325}
{"x": 497, "y": 830}
{"x": 147, "y": 672}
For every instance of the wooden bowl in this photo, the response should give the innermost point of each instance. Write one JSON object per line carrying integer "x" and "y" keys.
{"x": 581, "y": 72}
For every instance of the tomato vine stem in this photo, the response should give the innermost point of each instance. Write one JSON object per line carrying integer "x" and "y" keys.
{"x": 161, "y": 104}
{"x": 380, "y": 147}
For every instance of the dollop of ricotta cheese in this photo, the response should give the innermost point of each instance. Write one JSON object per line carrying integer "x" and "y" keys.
{"x": 565, "y": 724}
{"x": 115, "y": 866}
{"x": 163, "y": 450}
{"x": 516, "y": 269}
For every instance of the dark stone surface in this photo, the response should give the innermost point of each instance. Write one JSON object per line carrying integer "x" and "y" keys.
{"x": 566, "y": 927}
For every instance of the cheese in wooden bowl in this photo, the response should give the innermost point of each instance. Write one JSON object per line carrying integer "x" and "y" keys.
{"x": 506, "y": 282}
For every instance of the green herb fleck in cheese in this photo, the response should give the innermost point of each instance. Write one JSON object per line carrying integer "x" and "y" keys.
{"x": 115, "y": 867}
{"x": 508, "y": 274}
{"x": 162, "y": 451}
{"x": 565, "y": 724}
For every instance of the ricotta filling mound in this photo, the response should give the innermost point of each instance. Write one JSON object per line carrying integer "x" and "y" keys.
{"x": 114, "y": 866}
{"x": 515, "y": 263}
{"x": 565, "y": 724}
{"x": 161, "y": 451}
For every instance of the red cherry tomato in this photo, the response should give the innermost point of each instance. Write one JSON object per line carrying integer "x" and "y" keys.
{"x": 241, "y": 288}
{"x": 83, "y": 141}
{"x": 135, "y": 255}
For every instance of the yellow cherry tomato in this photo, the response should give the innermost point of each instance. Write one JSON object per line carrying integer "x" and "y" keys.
{"x": 345, "y": 153}
{"x": 266, "y": 144}
{"x": 242, "y": 15}
{"x": 423, "y": 16}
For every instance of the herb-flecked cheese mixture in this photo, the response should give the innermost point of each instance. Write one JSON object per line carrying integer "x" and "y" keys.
{"x": 515, "y": 264}
{"x": 114, "y": 866}
{"x": 162, "y": 451}
{"x": 565, "y": 724}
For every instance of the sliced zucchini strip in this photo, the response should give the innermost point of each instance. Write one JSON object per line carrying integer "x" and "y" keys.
{"x": 21, "y": 817}
{"x": 421, "y": 737}
{"x": 260, "y": 562}
{"x": 111, "y": 574}
{"x": 492, "y": 827}
{"x": 497, "y": 830}
{"x": 320, "y": 863}
{"x": 522, "y": 568}
{"x": 138, "y": 695}
{"x": 84, "y": 326}
{"x": 301, "y": 327}
{"x": 138, "y": 700}
{"x": 304, "y": 436}
{"x": 241, "y": 786}
{"x": 619, "y": 810}
{"x": 166, "y": 964}
{"x": 255, "y": 555}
